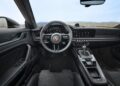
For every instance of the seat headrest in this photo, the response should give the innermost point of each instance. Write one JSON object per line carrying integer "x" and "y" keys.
{"x": 3, "y": 23}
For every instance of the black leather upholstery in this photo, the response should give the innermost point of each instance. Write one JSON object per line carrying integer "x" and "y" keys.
{"x": 64, "y": 78}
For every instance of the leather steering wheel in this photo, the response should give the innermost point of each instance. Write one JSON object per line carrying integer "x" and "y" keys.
{"x": 56, "y": 42}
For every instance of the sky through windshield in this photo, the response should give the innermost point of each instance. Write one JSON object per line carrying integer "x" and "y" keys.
{"x": 64, "y": 10}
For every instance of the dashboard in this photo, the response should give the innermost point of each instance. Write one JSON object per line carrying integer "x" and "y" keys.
{"x": 94, "y": 36}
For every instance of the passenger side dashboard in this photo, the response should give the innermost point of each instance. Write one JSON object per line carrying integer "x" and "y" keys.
{"x": 95, "y": 37}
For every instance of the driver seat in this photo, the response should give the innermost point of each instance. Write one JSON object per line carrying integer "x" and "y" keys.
{"x": 64, "y": 78}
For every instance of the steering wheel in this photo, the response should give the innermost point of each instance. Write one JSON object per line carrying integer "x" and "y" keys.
{"x": 55, "y": 41}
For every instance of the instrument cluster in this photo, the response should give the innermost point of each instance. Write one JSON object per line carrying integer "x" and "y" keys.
{"x": 56, "y": 29}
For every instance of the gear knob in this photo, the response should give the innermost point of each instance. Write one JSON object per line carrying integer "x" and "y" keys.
{"x": 84, "y": 49}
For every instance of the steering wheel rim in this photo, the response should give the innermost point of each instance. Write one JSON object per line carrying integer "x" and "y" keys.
{"x": 65, "y": 27}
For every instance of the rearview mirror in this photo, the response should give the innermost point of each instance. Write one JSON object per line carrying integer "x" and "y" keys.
{"x": 92, "y": 2}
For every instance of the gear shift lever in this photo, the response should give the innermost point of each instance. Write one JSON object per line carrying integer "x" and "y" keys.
{"x": 84, "y": 49}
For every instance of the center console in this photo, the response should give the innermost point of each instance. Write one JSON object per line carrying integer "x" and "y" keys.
{"x": 90, "y": 67}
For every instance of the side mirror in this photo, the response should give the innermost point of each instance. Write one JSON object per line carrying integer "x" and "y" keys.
{"x": 88, "y": 3}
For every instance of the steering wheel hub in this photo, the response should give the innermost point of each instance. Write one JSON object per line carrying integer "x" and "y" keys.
{"x": 56, "y": 38}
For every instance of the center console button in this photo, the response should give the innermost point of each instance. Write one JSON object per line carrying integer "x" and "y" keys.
{"x": 89, "y": 63}
{"x": 88, "y": 59}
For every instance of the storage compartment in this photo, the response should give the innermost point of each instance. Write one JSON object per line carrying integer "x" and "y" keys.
{"x": 93, "y": 73}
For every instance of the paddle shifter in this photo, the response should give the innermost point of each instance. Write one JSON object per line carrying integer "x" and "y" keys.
{"x": 91, "y": 66}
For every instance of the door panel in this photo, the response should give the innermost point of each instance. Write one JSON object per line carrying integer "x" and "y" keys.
{"x": 11, "y": 62}
{"x": 13, "y": 37}
{"x": 9, "y": 37}
{"x": 15, "y": 52}
{"x": 9, "y": 58}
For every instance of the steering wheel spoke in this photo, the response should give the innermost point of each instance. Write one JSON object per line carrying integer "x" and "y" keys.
{"x": 56, "y": 47}
{"x": 47, "y": 35}
{"x": 65, "y": 36}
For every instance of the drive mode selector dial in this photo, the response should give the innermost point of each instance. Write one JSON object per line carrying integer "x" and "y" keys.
{"x": 56, "y": 42}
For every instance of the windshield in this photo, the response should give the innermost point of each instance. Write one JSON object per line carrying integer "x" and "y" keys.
{"x": 66, "y": 11}
{"x": 71, "y": 10}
